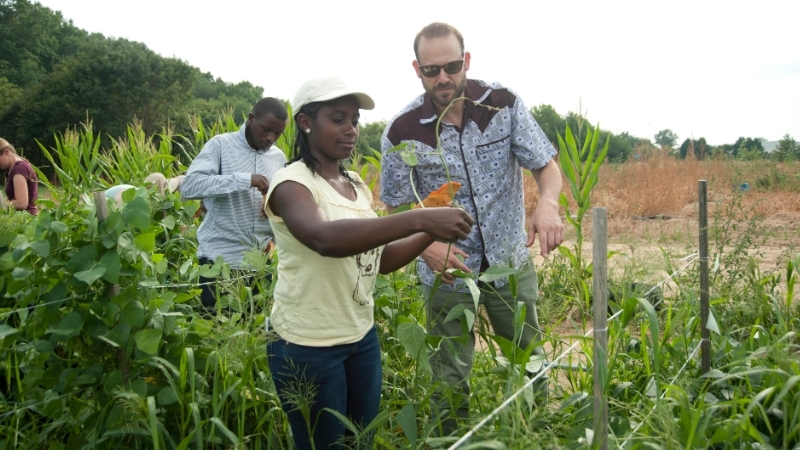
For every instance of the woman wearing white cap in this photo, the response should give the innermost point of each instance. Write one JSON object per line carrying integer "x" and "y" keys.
{"x": 331, "y": 245}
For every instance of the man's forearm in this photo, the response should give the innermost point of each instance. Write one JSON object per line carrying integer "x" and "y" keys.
{"x": 548, "y": 179}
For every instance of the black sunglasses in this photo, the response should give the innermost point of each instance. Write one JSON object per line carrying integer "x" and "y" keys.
{"x": 451, "y": 68}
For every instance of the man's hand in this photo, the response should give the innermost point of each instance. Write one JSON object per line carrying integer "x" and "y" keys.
{"x": 434, "y": 257}
{"x": 547, "y": 223}
{"x": 259, "y": 182}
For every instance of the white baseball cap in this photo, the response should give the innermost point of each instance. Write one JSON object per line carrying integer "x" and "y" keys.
{"x": 321, "y": 89}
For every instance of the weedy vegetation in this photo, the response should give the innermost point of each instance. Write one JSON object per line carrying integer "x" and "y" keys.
{"x": 87, "y": 365}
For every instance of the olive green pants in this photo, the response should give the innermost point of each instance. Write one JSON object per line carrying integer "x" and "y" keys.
{"x": 452, "y": 360}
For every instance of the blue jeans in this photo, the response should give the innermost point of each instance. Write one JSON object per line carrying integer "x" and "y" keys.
{"x": 345, "y": 378}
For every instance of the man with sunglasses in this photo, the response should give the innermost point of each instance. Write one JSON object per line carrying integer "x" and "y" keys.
{"x": 487, "y": 137}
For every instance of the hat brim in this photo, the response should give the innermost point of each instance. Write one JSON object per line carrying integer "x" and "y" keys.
{"x": 364, "y": 100}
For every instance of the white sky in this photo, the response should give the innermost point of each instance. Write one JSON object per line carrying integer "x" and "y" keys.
{"x": 709, "y": 69}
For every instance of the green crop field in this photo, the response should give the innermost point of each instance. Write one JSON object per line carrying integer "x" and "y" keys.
{"x": 102, "y": 344}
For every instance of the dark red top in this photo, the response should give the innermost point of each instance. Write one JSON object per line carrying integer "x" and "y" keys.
{"x": 25, "y": 169}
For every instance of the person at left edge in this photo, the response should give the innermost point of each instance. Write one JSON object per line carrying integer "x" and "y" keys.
{"x": 22, "y": 185}
{"x": 230, "y": 175}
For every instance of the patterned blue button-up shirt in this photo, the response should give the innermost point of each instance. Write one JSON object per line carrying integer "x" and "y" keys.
{"x": 486, "y": 155}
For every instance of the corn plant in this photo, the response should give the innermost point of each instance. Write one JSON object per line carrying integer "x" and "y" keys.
{"x": 131, "y": 160}
{"x": 581, "y": 167}
{"x": 76, "y": 159}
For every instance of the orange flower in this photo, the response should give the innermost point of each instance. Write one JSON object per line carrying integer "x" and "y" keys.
{"x": 441, "y": 196}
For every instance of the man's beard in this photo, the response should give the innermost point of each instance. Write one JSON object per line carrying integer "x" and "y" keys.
{"x": 444, "y": 102}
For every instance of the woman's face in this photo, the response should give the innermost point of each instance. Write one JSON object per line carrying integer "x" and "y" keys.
{"x": 5, "y": 158}
{"x": 334, "y": 132}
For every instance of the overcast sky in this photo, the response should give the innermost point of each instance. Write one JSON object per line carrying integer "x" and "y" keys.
{"x": 717, "y": 70}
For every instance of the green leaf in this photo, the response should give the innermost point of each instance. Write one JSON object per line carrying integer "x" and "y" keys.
{"x": 458, "y": 273}
{"x": 152, "y": 416}
{"x": 474, "y": 291}
{"x": 133, "y": 314}
{"x": 20, "y": 273}
{"x": 113, "y": 380}
{"x": 137, "y": 213}
{"x": 185, "y": 267}
{"x": 167, "y": 396}
{"x": 146, "y": 242}
{"x": 111, "y": 261}
{"x": 712, "y": 322}
{"x": 69, "y": 326}
{"x": 41, "y": 248}
{"x": 228, "y": 433}
{"x": 58, "y": 227}
{"x": 6, "y": 330}
{"x": 91, "y": 275}
{"x": 168, "y": 222}
{"x": 120, "y": 334}
{"x": 402, "y": 208}
{"x": 509, "y": 348}
{"x": 398, "y": 147}
{"x": 139, "y": 387}
{"x": 409, "y": 157}
{"x": 148, "y": 340}
{"x": 495, "y": 273}
{"x": 652, "y": 388}
{"x": 470, "y": 318}
{"x": 455, "y": 313}
{"x": 535, "y": 363}
{"x": 83, "y": 259}
{"x": 407, "y": 418}
{"x": 412, "y": 337}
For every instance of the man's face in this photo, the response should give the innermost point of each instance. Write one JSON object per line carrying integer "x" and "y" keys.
{"x": 263, "y": 131}
{"x": 444, "y": 87}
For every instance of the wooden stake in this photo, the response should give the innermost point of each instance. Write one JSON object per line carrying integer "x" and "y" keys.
{"x": 600, "y": 313}
{"x": 705, "y": 346}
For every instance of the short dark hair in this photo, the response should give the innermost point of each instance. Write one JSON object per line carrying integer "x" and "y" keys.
{"x": 270, "y": 105}
{"x": 437, "y": 30}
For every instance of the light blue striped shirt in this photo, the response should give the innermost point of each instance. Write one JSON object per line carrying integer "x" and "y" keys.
{"x": 220, "y": 175}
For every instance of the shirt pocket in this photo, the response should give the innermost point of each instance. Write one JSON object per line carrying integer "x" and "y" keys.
{"x": 494, "y": 154}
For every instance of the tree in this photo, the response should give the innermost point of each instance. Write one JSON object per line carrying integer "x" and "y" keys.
{"x": 698, "y": 149}
{"x": 550, "y": 121}
{"x": 34, "y": 39}
{"x": 110, "y": 81}
{"x": 370, "y": 137}
{"x": 787, "y": 150}
{"x": 753, "y": 146}
{"x": 212, "y": 97}
{"x": 666, "y": 138}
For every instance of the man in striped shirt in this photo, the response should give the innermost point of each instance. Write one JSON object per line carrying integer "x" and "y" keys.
{"x": 230, "y": 174}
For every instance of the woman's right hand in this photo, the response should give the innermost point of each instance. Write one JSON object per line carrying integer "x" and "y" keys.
{"x": 446, "y": 224}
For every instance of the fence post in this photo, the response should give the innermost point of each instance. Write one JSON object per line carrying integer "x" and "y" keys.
{"x": 705, "y": 344}
{"x": 600, "y": 314}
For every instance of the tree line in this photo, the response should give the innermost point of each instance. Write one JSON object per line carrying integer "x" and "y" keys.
{"x": 54, "y": 75}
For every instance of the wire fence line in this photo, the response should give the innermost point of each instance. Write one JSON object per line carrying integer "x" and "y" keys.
{"x": 691, "y": 259}
{"x": 39, "y": 305}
